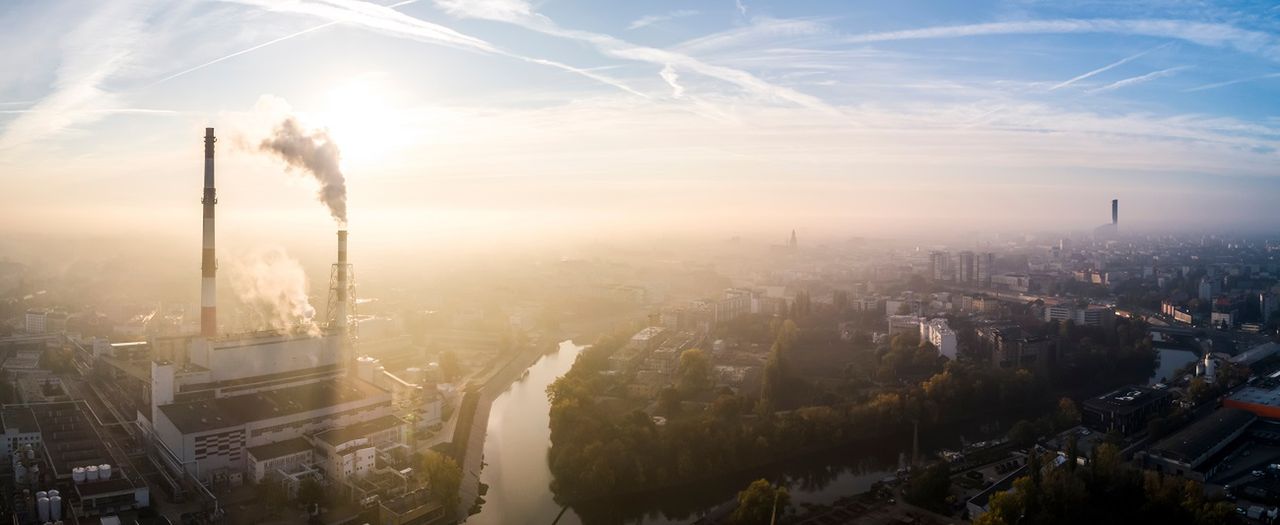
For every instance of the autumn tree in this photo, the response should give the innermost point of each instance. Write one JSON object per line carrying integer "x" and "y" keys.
{"x": 694, "y": 371}
{"x": 760, "y": 503}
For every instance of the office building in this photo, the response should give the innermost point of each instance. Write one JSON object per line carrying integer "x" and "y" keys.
{"x": 1125, "y": 410}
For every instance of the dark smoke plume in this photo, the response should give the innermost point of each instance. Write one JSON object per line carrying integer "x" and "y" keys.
{"x": 316, "y": 153}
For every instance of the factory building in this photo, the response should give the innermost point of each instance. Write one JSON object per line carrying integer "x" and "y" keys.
{"x": 231, "y": 408}
{"x": 57, "y": 455}
{"x": 1187, "y": 452}
{"x": 1261, "y": 398}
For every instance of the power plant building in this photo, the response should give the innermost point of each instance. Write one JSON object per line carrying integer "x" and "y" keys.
{"x": 244, "y": 407}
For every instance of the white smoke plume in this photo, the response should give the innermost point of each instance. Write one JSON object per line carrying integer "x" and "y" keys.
{"x": 316, "y": 153}
{"x": 273, "y": 287}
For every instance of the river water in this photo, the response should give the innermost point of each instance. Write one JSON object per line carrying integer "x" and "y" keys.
{"x": 1169, "y": 360}
{"x": 515, "y": 456}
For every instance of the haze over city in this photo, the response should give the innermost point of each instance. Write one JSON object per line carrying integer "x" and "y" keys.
{"x": 564, "y": 261}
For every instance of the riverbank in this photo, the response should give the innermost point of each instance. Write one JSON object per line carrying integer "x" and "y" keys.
{"x": 473, "y": 421}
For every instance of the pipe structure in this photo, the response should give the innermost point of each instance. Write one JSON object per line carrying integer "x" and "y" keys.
{"x": 208, "y": 260}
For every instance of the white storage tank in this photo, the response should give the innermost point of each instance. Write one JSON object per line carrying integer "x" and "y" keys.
{"x": 42, "y": 509}
{"x": 91, "y": 473}
{"x": 365, "y": 366}
{"x": 78, "y": 475}
{"x": 41, "y": 494}
{"x": 55, "y": 508}
{"x": 414, "y": 375}
{"x": 104, "y": 471}
{"x": 54, "y": 492}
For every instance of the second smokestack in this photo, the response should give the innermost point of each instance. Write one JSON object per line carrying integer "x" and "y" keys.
{"x": 343, "y": 285}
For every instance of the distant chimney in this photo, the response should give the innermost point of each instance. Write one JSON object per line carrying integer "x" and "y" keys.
{"x": 1115, "y": 211}
{"x": 208, "y": 260}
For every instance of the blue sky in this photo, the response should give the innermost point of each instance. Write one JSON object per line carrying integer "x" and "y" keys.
{"x": 831, "y": 115}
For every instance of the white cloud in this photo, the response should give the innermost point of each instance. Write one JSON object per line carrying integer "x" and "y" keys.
{"x": 759, "y": 31}
{"x": 649, "y": 20}
{"x": 97, "y": 49}
{"x": 388, "y": 21}
{"x": 520, "y": 13}
{"x": 1206, "y": 34}
{"x": 742, "y": 8}
{"x": 669, "y": 74}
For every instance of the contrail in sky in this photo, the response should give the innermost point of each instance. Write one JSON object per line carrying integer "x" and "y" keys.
{"x": 262, "y": 45}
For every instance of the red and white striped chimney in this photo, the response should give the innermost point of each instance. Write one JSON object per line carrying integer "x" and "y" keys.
{"x": 208, "y": 262}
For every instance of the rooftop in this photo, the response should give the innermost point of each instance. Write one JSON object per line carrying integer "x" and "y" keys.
{"x": 211, "y": 414}
{"x": 1005, "y": 483}
{"x": 69, "y": 436}
{"x": 338, "y": 436}
{"x": 1198, "y": 438}
{"x": 1265, "y": 392}
{"x": 411, "y": 501}
{"x": 1126, "y": 399}
{"x": 20, "y": 419}
{"x": 280, "y": 449}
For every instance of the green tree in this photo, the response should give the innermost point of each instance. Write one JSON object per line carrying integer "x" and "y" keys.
{"x": 694, "y": 371}
{"x": 449, "y": 366}
{"x": 310, "y": 492}
{"x": 1023, "y": 433}
{"x": 759, "y": 503}
{"x": 930, "y": 488}
{"x": 272, "y": 495}
{"x": 444, "y": 476}
{"x": 1068, "y": 415}
{"x": 669, "y": 402}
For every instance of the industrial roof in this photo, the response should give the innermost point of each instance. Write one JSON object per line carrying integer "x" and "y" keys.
{"x": 1005, "y": 483}
{"x": 1265, "y": 392}
{"x": 20, "y": 419}
{"x": 69, "y": 437}
{"x": 1194, "y": 441}
{"x": 213, "y": 414}
{"x": 342, "y": 435}
{"x": 280, "y": 449}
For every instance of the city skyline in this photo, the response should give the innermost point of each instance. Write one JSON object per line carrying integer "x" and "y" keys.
{"x": 507, "y": 118}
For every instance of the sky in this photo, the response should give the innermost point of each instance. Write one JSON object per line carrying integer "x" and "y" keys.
{"x": 502, "y": 120}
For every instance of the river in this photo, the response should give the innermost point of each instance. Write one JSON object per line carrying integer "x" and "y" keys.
{"x": 1169, "y": 360}
{"x": 515, "y": 469}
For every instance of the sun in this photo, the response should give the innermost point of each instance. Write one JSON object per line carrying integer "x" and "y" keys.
{"x": 361, "y": 120}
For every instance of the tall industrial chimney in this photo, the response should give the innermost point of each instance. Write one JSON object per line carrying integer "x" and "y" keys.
{"x": 1115, "y": 211}
{"x": 208, "y": 262}
{"x": 343, "y": 285}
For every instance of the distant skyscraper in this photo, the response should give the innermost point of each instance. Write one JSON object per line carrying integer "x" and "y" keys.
{"x": 982, "y": 268}
{"x": 940, "y": 266}
{"x": 793, "y": 243}
{"x": 965, "y": 267}
{"x": 1115, "y": 212}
